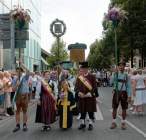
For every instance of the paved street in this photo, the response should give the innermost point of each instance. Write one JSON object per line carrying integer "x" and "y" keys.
{"x": 136, "y": 126}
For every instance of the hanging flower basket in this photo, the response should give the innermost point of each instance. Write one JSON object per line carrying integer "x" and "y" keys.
{"x": 21, "y": 17}
{"x": 116, "y": 15}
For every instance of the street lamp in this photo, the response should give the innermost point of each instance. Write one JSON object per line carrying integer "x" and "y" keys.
{"x": 58, "y": 29}
{"x": 115, "y": 16}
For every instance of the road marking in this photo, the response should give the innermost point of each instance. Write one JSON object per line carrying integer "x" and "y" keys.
{"x": 100, "y": 93}
{"x": 98, "y": 114}
{"x": 133, "y": 126}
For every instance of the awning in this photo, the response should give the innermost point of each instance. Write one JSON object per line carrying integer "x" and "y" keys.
{"x": 44, "y": 61}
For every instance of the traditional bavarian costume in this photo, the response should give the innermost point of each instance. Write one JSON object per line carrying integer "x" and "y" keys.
{"x": 45, "y": 112}
{"x": 66, "y": 104}
{"x": 86, "y": 84}
{"x": 121, "y": 92}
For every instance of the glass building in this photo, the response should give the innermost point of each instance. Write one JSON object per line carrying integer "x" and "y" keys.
{"x": 31, "y": 54}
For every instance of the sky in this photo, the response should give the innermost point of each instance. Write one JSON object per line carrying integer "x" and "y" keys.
{"x": 83, "y": 19}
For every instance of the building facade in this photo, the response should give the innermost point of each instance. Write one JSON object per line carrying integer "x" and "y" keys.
{"x": 31, "y": 54}
{"x": 44, "y": 57}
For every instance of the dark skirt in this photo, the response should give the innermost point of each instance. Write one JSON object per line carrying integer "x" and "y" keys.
{"x": 45, "y": 113}
{"x": 69, "y": 118}
{"x": 38, "y": 114}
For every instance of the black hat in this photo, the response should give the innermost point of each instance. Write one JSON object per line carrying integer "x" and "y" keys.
{"x": 83, "y": 64}
{"x": 20, "y": 68}
{"x": 122, "y": 63}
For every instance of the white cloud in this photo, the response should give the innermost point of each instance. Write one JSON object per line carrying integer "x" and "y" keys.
{"x": 83, "y": 19}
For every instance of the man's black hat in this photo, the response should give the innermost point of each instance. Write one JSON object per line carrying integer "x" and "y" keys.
{"x": 83, "y": 64}
{"x": 20, "y": 68}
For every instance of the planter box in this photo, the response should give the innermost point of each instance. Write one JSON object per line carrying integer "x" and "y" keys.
{"x": 20, "y": 43}
{"x": 21, "y": 35}
{"x": 25, "y": 27}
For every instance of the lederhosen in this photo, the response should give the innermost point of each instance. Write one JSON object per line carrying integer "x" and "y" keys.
{"x": 120, "y": 96}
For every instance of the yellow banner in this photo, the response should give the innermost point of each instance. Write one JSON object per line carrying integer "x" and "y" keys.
{"x": 85, "y": 82}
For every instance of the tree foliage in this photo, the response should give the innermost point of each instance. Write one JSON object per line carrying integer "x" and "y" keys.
{"x": 131, "y": 35}
{"x": 98, "y": 57}
{"x": 55, "y": 56}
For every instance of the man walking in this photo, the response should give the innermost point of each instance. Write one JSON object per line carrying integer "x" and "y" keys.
{"x": 21, "y": 98}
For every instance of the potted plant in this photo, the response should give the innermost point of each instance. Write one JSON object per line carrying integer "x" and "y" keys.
{"x": 116, "y": 15}
{"x": 21, "y": 17}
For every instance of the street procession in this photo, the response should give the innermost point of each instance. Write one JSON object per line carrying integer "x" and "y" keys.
{"x": 73, "y": 70}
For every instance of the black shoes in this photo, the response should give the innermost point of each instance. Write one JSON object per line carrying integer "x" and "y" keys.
{"x": 17, "y": 128}
{"x": 46, "y": 128}
{"x": 25, "y": 127}
{"x": 90, "y": 127}
{"x": 82, "y": 126}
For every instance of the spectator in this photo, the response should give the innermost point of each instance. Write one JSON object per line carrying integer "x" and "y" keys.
{"x": 1, "y": 90}
{"x": 7, "y": 92}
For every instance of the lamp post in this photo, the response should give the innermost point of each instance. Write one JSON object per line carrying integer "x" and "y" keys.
{"x": 116, "y": 15}
{"x": 58, "y": 29}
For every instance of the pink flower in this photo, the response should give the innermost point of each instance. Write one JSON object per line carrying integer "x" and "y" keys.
{"x": 62, "y": 95}
{"x": 116, "y": 14}
{"x": 21, "y": 14}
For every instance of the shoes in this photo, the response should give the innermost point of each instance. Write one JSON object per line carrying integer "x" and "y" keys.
{"x": 134, "y": 113}
{"x": 78, "y": 117}
{"x": 138, "y": 113}
{"x": 131, "y": 109}
{"x": 123, "y": 126}
{"x": 7, "y": 115}
{"x": 141, "y": 113}
{"x": 17, "y": 128}
{"x": 25, "y": 128}
{"x": 82, "y": 126}
{"x": 90, "y": 127}
{"x": 45, "y": 128}
{"x": 113, "y": 125}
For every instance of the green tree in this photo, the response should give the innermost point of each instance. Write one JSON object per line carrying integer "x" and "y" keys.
{"x": 132, "y": 33}
{"x": 57, "y": 53}
{"x": 99, "y": 57}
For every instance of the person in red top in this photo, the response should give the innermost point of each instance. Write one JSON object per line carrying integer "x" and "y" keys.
{"x": 46, "y": 104}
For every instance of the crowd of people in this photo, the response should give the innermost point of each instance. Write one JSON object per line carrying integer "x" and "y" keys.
{"x": 58, "y": 93}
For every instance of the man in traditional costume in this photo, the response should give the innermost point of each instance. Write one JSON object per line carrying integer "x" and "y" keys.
{"x": 21, "y": 97}
{"x": 46, "y": 107}
{"x": 66, "y": 103}
{"x": 121, "y": 92}
{"x": 86, "y": 92}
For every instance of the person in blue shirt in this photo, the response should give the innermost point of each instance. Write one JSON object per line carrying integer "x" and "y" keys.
{"x": 21, "y": 98}
{"x": 121, "y": 94}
